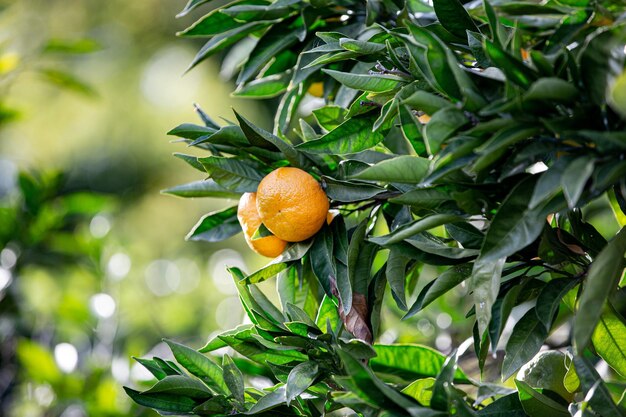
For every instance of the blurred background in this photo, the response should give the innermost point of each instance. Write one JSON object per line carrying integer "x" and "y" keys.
{"x": 94, "y": 268}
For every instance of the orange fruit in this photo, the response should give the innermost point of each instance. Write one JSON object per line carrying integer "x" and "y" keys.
{"x": 316, "y": 89}
{"x": 249, "y": 219}
{"x": 292, "y": 204}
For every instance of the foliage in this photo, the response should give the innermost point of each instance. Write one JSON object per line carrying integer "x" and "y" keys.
{"x": 524, "y": 134}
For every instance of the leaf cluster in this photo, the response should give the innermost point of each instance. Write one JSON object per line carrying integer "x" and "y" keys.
{"x": 468, "y": 137}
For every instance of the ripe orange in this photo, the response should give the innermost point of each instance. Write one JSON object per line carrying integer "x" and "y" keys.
{"x": 292, "y": 204}
{"x": 249, "y": 218}
{"x": 316, "y": 89}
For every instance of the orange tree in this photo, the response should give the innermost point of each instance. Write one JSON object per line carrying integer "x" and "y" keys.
{"x": 473, "y": 138}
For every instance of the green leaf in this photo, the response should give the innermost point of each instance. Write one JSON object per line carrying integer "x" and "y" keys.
{"x": 327, "y": 313}
{"x": 453, "y": 16}
{"x": 262, "y": 138}
{"x": 427, "y": 198}
{"x": 443, "y": 124}
{"x": 513, "y": 68}
{"x": 191, "y": 160}
{"x": 552, "y": 89}
{"x": 268, "y": 401}
{"x": 601, "y": 62}
{"x": 575, "y": 177}
{"x": 300, "y": 379}
{"x": 353, "y": 135}
{"x": 441, "y": 285}
{"x": 199, "y": 365}
{"x": 507, "y": 406}
{"x": 168, "y": 403}
{"x": 525, "y": 341}
{"x": 427, "y": 102}
{"x": 233, "y": 379}
{"x": 440, "y": 398}
{"x": 231, "y": 173}
{"x": 604, "y": 273}
{"x": 261, "y": 232}
{"x": 421, "y": 390}
{"x": 203, "y": 188}
{"x": 396, "y": 276}
{"x": 485, "y": 284}
{"x": 73, "y": 46}
{"x": 413, "y": 228}
{"x": 347, "y": 191}
{"x": 366, "y": 82}
{"x": 266, "y": 87}
{"x": 497, "y": 146}
{"x": 67, "y": 81}
{"x": 609, "y": 340}
{"x": 617, "y": 96}
{"x": 330, "y": 117}
{"x": 404, "y": 169}
{"x": 537, "y": 404}
{"x": 363, "y": 47}
{"x": 216, "y": 226}
{"x": 515, "y": 226}
{"x": 293, "y": 253}
{"x": 596, "y": 392}
{"x": 180, "y": 385}
{"x": 322, "y": 261}
{"x": 191, "y": 131}
{"x": 223, "y": 39}
{"x": 191, "y": 5}
{"x": 410, "y": 362}
{"x": 152, "y": 366}
{"x": 550, "y": 298}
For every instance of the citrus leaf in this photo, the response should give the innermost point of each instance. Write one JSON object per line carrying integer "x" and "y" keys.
{"x": 233, "y": 378}
{"x": 366, "y": 82}
{"x": 605, "y": 271}
{"x": 525, "y": 341}
{"x": 403, "y": 169}
{"x": 609, "y": 340}
{"x": 216, "y": 226}
{"x": 353, "y": 135}
{"x": 300, "y": 378}
{"x": 199, "y": 365}
{"x": 203, "y": 188}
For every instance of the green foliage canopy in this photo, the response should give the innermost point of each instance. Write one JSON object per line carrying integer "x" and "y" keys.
{"x": 469, "y": 137}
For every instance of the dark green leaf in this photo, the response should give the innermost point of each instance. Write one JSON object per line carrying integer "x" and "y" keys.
{"x": 168, "y": 403}
{"x": 233, "y": 379}
{"x": 204, "y": 188}
{"x": 199, "y": 365}
{"x": 537, "y": 404}
{"x": 346, "y": 191}
{"x": 524, "y": 343}
{"x": 485, "y": 284}
{"x": 410, "y": 362}
{"x": 353, "y": 135}
{"x": 366, "y": 82}
{"x": 403, "y": 169}
{"x": 300, "y": 378}
{"x": 550, "y": 298}
{"x": 441, "y": 285}
{"x": 453, "y": 16}
{"x": 216, "y": 226}
{"x": 604, "y": 273}
{"x": 180, "y": 385}
{"x": 231, "y": 173}
{"x": 575, "y": 177}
